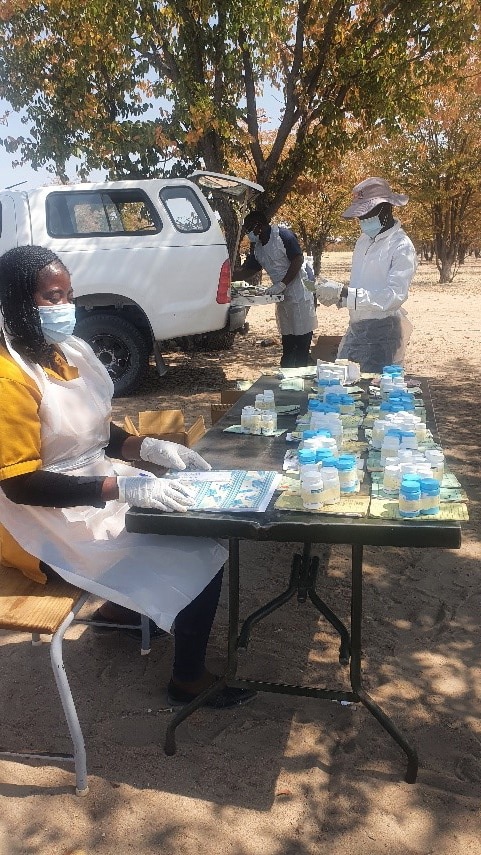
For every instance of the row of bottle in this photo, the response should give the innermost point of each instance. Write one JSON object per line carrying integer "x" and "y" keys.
{"x": 321, "y": 460}
{"x": 418, "y": 496}
{"x": 429, "y": 464}
{"x": 403, "y": 424}
{"x": 258, "y": 422}
{"x": 318, "y": 422}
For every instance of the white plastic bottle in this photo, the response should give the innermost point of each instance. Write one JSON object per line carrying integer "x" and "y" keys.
{"x": 312, "y": 490}
{"x": 269, "y": 401}
{"x": 332, "y": 487}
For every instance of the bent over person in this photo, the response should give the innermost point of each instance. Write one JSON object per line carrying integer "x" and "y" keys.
{"x": 63, "y": 500}
{"x": 383, "y": 264}
{"x": 276, "y": 250}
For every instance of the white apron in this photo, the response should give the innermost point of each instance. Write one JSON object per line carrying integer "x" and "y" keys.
{"x": 296, "y": 314}
{"x": 89, "y": 547}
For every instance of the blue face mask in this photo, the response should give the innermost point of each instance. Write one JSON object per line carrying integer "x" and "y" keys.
{"x": 371, "y": 227}
{"x": 57, "y": 322}
{"x": 252, "y": 237}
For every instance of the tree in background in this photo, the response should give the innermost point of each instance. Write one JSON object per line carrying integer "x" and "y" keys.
{"x": 313, "y": 208}
{"x": 90, "y": 76}
{"x": 436, "y": 161}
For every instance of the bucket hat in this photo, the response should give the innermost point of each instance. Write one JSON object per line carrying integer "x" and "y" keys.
{"x": 368, "y": 194}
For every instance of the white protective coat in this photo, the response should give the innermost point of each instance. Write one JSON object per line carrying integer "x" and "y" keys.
{"x": 154, "y": 575}
{"x": 296, "y": 314}
{"x": 381, "y": 273}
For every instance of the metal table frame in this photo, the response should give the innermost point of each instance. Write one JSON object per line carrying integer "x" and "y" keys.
{"x": 223, "y": 451}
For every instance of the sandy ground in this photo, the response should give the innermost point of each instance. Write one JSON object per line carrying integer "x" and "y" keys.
{"x": 281, "y": 776}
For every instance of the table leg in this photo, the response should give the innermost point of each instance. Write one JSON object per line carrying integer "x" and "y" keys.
{"x": 303, "y": 577}
{"x": 355, "y": 669}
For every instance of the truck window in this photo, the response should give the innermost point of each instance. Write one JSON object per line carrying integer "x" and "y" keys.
{"x": 101, "y": 213}
{"x": 185, "y": 209}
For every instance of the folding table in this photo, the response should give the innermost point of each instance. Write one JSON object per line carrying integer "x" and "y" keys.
{"x": 227, "y": 451}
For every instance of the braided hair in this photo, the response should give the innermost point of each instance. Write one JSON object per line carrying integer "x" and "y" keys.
{"x": 19, "y": 269}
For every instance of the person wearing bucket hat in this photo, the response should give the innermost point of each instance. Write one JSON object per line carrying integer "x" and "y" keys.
{"x": 383, "y": 264}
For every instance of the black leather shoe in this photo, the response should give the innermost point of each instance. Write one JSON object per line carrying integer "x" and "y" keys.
{"x": 227, "y": 698}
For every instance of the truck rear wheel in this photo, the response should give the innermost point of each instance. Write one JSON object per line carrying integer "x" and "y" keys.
{"x": 120, "y": 347}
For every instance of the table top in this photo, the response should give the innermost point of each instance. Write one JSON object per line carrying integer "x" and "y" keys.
{"x": 243, "y": 451}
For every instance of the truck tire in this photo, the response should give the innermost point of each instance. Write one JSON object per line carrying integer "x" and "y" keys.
{"x": 120, "y": 346}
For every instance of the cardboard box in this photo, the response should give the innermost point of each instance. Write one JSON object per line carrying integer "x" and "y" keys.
{"x": 326, "y": 347}
{"x": 230, "y": 396}
{"x": 167, "y": 424}
{"x": 217, "y": 411}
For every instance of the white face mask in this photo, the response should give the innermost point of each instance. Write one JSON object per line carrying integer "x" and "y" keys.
{"x": 371, "y": 226}
{"x": 57, "y": 322}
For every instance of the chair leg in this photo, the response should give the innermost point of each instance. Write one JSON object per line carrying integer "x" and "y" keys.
{"x": 68, "y": 705}
{"x": 36, "y": 640}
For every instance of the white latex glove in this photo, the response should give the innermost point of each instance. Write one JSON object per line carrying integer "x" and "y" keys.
{"x": 171, "y": 455}
{"x": 276, "y": 289}
{"x": 327, "y": 291}
{"x": 159, "y": 493}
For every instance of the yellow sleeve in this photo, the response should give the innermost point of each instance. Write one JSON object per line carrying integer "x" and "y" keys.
{"x": 19, "y": 426}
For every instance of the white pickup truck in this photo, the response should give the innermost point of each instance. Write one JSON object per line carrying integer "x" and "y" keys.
{"x": 148, "y": 261}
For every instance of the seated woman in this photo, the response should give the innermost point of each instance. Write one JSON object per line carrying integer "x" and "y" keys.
{"x": 64, "y": 501}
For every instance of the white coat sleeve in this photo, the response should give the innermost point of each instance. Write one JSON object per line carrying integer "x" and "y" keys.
{"x": 395, "y": 292}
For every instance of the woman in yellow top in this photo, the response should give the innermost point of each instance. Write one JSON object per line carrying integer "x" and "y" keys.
{"x": 63, "y": 500}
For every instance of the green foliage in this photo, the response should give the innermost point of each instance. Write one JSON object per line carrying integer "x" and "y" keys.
{"x": 91, "y": 75}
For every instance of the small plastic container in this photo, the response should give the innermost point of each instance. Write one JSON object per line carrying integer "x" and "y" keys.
{"x": 390, "y": 445}
{"x": 347, "y": 405}
{"x": 409, "y": 497}
{"x": 306, "y": 456}
{"x": 259, "y": 402}
{"x": 436, "y": 460}
{"x": 391, "y": 480}
{"x": 269, "y": 400}
{"x": 312, "y": 491}
{"x": 378, "y": 429}
{"x": 332, "y": 487}
{"x": 247, "y": 416}
{"x": 347, "y": 470}
{"x": 268, "y": 422}
{"x": 256, "y": 425}
{"x": 430, "y": 496}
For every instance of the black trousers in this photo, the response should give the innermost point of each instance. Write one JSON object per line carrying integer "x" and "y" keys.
{"x": 295, "y": 350}
{"x": 192, "y": 628}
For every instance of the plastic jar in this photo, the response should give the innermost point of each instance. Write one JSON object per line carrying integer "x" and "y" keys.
{"x": 378, "y": 430}
{"x": 347, "y": 470}
{"x": 408, "y": 440}
{"x": 247, "y": 415}
{"x": 312, "y": 491}
{"x": 332, "y": 487}
{"x": 325, "y": 458}
{"x": 259, "y": 402}
{"x": 256, "y": 422}
{"x": 306, "y": 455}
{"x": 409, "y": 497}
{"x": 390, "y": 445}
{"x": 268, "y": 422}
{"x": 436, "y": 460}
{"x": 391, "y": 480}
{"x": 269, "y": 401}
{"x": 430, "y": 496}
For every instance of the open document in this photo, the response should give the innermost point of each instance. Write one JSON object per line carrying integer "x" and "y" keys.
{"x": 230, "y": 490}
